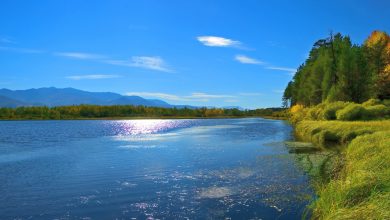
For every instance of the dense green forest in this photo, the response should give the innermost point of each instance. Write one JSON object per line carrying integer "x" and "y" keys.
{"x": 337, "y": 70}
{"x": 121, "y": 111}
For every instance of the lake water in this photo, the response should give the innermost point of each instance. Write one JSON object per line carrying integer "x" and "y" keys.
{"x": 150, "y": 169}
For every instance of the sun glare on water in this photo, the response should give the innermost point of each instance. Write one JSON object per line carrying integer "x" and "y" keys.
{"x": 148, "y": 126}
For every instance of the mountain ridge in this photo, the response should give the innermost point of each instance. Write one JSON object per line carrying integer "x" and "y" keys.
{"x": 52, "y": 96}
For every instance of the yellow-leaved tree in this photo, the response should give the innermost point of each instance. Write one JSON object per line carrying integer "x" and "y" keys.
{"x": 377, "y": 48}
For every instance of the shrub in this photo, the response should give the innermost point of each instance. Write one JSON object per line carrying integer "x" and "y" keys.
{"x": 351, "y": 112}
{"x": 342, "y": 131}
{"x": 296, "y": 108}
{"x": 298, "y": 113}
{"x": 371, "y": 102}
{"x": 376, "y": 111}
{"x": 316, "y": 112}
{"x": 325, "y": 137}
{"x": 329, "y": 112}
{"x": 386, "y": 102}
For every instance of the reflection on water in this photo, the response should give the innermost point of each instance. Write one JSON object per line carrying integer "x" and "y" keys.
{"x": 149, "y": 126}
{"x": 156, "y": 169}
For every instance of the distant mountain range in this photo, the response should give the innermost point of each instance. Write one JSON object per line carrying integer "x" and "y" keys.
{"x": 69, "y": 96}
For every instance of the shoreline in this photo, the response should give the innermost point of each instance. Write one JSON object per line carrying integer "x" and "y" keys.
{"x": 143, "y": 118}
{"x": 352, "y": 181}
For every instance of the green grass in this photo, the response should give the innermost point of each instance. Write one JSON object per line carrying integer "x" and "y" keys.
{"x": 342, "y": 111}
{"x": 357, "y": 173}
{"x": 362, "y": 189}
{"x": 329, "y": 133}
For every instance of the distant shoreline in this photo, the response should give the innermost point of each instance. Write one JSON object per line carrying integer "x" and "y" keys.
{"x": 143, "y": 118}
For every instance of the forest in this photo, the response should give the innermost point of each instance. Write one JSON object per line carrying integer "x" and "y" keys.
{"x": 338, "y": 70}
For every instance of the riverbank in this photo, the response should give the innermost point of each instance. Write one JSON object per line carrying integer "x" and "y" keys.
{"x": 358, "y": 186}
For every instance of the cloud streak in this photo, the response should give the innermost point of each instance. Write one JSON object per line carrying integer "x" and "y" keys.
{"x": 146, "y": 62}
{"x": 79, "y": 55}
{"x": 92, "y": 77}
{"x": 248, "y": 60}
{"x": 285, "y": 69}
{"x": 155, "y": 95}
{"x": 250, "y": 94}
{"x": 201, "y": 95}
{"x": 193, "y": 97}
{"x": 280, "y": 91}
{"x": 214, "y": 41}
{"x": 21, "y": 50}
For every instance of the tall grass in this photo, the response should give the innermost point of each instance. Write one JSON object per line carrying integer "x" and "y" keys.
{"x": 360, "y": 187}
{"x": 343, "y": 111}
{"x": 327, "y": 133}
{"x": 362, "y": 190}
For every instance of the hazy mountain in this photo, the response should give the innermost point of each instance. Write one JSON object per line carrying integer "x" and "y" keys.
{"x": 69, "y": 96}
{"x": 11, "y": 103}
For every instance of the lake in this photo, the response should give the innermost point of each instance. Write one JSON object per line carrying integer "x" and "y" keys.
{"x": 150, "y": 169}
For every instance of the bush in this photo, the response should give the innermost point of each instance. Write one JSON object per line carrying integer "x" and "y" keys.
{"x": 371, "y": 102}
{"x": 338, "y": 132}
{"x": 351, "y": 112}
{"x": 296, "y": 108}
{"x": 329, "y": 112}
{"x": 316, "y": 112}
{"x": 298, "y": 113}
{"x": 376, "y": 111}
{"x": 386, "y": 102}
{"x": 325, "y": 137}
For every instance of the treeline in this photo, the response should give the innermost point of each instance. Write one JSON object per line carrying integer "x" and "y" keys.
{"x": 127, "y": 111}
{"x": 337, "y": 70}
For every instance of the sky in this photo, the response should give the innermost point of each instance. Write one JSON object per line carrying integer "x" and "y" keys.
{"x": 201, "y": 52}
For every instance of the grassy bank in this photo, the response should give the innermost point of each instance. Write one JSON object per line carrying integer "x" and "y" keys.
{"x": 337, "y": 133}
{"x": 362, "y": 188}
{"x": 359, "y": 183}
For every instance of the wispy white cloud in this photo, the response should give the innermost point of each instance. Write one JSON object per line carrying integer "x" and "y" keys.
{"x": 286, "y": 69}
{"x": 201, "y": 95}
{"x": 94, "y": 76}
{"x": 147, "y": 62}
{"x": 155, "y": 63}
{"x": 193, "y": 97}
{"x": 213, "y": 41}
{"x": 250, "y": 94}
{"x": 248, "y": 60}
{"x": 21, "y": 50}
{"x": 155, "y": 95}
{"x": 80, "y": 55}
{"x": 278, "y": 91}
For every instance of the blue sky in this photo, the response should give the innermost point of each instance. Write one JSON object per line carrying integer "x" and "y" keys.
{"x": 208, "y": 53}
